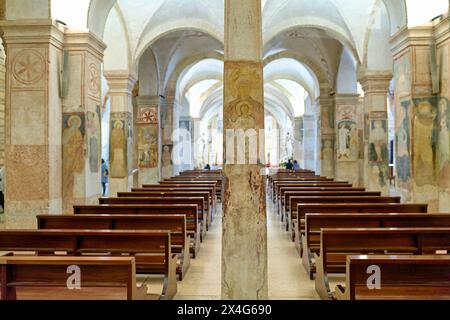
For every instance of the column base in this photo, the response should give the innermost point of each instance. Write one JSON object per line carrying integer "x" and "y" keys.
{"x": 120, "y": 185}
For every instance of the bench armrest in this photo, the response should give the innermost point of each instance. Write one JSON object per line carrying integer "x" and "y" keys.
{"x": 339, "y": 293}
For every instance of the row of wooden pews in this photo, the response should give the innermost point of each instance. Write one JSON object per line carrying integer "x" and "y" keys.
{"x": 340, "y": 230}
{"x": 152, "y": 230}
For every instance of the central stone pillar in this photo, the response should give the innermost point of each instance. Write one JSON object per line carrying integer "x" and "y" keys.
{"x": 326, "y": 137}
{"x": 244, "y": 240}
{"x": 81, "y": 105}
{"x": 33, "y": 121}
{"x": 121, "y": 138}
{"x": 376, "y": 163}
{"x": 147, "y": 139}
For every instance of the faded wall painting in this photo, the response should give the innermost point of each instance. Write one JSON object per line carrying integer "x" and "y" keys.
{"x": 148, "y": 115}
{"x": 378, "y": 147}
{"x": 424, "y": 141}
{"x": 378, "y": 174}
{"x": 403, "y": 143}
{"x": 73, "y": 150}
{"x": 118, "y": 149}
{"x": 348, "y": 133}
{"x": 166, "y": 159}
{"x": 444, "y": 143}
{"x": 93, "y": 128}
{"x": 130, "y": 144}
{"x": 147, "y": 146}
{"x": 403, "y": 75}
{"x": 327, "y": 157}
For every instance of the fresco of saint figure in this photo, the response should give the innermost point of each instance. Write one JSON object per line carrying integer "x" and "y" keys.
{"x": 423, "y": 147}
{"x": 73, "y": 153}
{"x": 444, "y": 144}
{"x": 118, "y": 151}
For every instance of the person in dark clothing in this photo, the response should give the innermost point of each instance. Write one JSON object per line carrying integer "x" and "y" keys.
{"x": 208, "y": 167}
{"x": 289, "y": 165}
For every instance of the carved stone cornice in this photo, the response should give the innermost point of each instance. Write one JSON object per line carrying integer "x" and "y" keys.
{"x": 148, "y": 101}
{"x": 375, "y": 82}
{"x": 120, "y": 82}
{"x": 36, "y": 32}
{"x": 425, "y": 35}
{"x": 84, "y": 41}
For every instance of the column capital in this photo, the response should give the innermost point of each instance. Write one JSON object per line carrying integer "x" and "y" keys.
{"x": 84, "y": 41}
{"x": 120, "y": 82}
{"x": 347, "y": 98}
{"x": 36, "y": 32}
{"x": 434, "y": 32}
{"x": 374, "y": 82}
{"x": 148, "y": 100}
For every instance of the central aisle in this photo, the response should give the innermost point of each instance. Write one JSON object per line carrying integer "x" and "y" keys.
{"x": 287, "y": 277}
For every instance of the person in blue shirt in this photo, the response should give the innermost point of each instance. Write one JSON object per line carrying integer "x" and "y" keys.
{"x": 105, "y": 175}
{"x": 208, "y": 167}
{"x": 296, "y": 165}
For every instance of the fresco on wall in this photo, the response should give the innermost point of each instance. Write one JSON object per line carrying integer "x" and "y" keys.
{"x": 403, "y": 143}
{"x": 378, "y": 148}
{"x": 348, "y": 134}
{"x": 378, "y": 175}
{"x": 424, "y": 141}
{"x": 130, "y": 144}
{"x": 402, "y": 75}
{"x": 118, "y": 149}
{"x": 166, "y": 159}
{"x": 73, "y": 150}
{"x": 444, "y": 143}
{"x": 327, "y": 157}
{"x": 148, "y": 146}
{"x": 93, "y": 128}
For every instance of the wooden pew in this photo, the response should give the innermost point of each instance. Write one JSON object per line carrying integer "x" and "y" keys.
{"x": 316, "y": 221}
{"x": 218, "y": 184}
{"x": 203, "y": 214}
{"x": 295, "y": 201}
{"x": 207, "y": 195}
{"x": 193, "y": 226}
{"x": 367, "y": 208}
{"x": 287, "y": 193}
{"x": 336, "y": 244}
{"x": 180, "y": 240}
{"x": 45, "y": 278}
{"x": 308, "y": 184}
{"x": 152, "y": 249}
{"x": 211, "y": 189}
{"x": 403, "y": 277}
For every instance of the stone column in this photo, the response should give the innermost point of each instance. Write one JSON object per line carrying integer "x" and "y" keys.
{"x": 33, "y": 120}
{"x": 422, "y": 118}
{"x": 298, "y": 140}
{"x": 167, "y": 123}
{"x": 198, "y": 143}
{"x": 81, "y": 145}
{"x": 326, "y": 136}
{"x": 376, "y": 159}
{"x": 309, "y": 124}
{"x": 244, "y": 240}
{"x": 147, "y": 141}
{"x": 121, "y": 142}
{"x": 349, "y": 134}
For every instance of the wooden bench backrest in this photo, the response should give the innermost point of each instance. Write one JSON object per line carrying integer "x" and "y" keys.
{"x": 303, "y": 209}
{"x": 336, "y": 244}
{"x": 199, "y": 201}
{"x": 41, "y": 272}
{"x": 430, "y": 277}
{"x": 175, "y": 223}
{"x": 188, "y": 210}
{"x": 316, "y": 221}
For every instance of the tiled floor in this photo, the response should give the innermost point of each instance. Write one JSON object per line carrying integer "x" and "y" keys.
{"x": 287, "y": 277}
